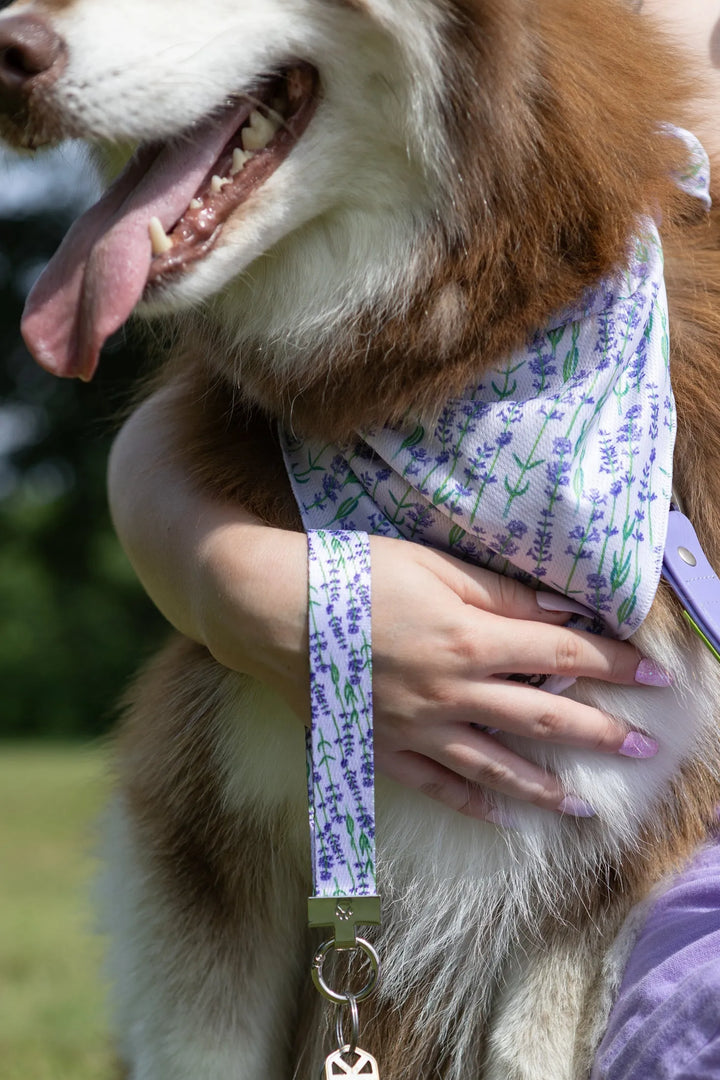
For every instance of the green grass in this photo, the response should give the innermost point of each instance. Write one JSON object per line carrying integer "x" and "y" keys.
{"x": 52, "y": 1007}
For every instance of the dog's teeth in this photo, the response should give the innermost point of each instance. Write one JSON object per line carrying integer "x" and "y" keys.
{"x": 196, "y": 204}
{"x": 259, "y": 133}
{"x": 240, "y": 159}
{"x": 159, "y": 239}
{"x": 218, "y": 183}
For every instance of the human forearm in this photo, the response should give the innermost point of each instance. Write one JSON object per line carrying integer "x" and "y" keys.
{"x": 211, "y": 567}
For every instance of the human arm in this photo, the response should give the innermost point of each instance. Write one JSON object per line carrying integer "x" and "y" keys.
{"x": 441, "y": 631}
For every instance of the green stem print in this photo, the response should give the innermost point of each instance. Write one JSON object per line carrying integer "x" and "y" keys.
{"x": 314, "y": 465}
{"x": 512, "y": 414}
{"x": 531, "y": 462}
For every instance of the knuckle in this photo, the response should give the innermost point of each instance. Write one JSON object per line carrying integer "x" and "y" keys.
{"x": 441, "y": 695}
{"x": 548, "y": 724}
{"x": 618, "y": 662}
{"x": 434, "y": 790}
{"x": 463, "y": 644}
{"x": 568, "y": 654}
{"x": 608, "y": 732}
{"x": 492, "y": 774}
{"x": 508, "y": 592}
{"x": 454, "y": 796}
{"x": 546, "y": 799}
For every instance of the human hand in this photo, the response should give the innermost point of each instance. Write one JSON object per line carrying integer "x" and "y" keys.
{"x": 442, "y": 632}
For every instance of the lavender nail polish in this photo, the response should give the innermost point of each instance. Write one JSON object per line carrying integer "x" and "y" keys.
{"x": 555, "y": 684}
{"x": 575, "y": 806}
{"x": 650, "y": 673}
{"x": 552, "y": 601}
{"x": 638, "y": 746}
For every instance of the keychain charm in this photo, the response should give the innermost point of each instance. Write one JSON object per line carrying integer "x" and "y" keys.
{"x": 349, "y": 1060}
{"x": 337, "y": 1065}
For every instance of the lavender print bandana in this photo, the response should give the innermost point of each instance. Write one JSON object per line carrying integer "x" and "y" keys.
{"x": 554, "y": 467}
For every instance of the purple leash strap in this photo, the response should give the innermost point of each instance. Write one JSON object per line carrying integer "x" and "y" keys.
{"x": 693, "y": 580}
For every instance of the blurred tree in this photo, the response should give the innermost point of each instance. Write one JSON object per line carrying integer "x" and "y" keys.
{"x": 73, "y": 621}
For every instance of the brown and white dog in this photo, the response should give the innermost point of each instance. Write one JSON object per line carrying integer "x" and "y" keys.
{"x": 418, "y": 185}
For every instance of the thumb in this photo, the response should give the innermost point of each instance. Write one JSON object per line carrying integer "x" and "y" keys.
{"x": 502, "y": 595}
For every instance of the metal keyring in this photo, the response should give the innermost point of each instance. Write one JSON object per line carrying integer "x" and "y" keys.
{"x": 328, "y": 992}
{"x": 352, "y": 1042}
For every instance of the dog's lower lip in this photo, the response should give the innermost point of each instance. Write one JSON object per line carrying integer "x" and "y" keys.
{"x": 230, "y": 184}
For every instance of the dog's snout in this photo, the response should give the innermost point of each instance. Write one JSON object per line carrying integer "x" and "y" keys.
{"x": 30, "y": 52}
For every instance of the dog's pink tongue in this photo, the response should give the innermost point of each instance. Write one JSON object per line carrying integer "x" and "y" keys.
{"x": 98, "y": 274}
{"x": 91, "y": 284}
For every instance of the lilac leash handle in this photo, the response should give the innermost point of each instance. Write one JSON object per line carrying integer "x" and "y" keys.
{"x": 341, "y": 791}
{"x": 693, "y": 580}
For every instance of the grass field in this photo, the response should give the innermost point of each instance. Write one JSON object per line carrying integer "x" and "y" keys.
{"x": 52, "y": 1011}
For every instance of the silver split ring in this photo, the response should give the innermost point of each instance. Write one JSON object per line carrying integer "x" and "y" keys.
{"x": 352, "y": 1042}
{"x": 327, "y": 991}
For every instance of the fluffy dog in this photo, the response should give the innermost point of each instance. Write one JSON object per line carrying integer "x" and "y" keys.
{"x": 405, "y": 191}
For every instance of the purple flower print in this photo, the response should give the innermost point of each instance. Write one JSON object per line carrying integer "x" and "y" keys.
{"x": 340, "y": 766}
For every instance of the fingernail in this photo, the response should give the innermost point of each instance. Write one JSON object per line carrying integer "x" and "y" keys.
{"x": 552, "y": 601}
{"x": 650, "y": 673}
{"x": 557, "y": 683}
{"x": 638, "y": 746}
{"x": 575, "y": 806}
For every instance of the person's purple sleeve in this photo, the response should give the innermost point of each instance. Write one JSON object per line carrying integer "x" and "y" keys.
{"x": 666, "y": 1022}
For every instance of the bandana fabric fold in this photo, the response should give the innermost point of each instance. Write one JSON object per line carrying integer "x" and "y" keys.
{"x": 555, "y": 466}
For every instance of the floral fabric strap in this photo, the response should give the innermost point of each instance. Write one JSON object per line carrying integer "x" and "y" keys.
{"x": 340, "y": 740}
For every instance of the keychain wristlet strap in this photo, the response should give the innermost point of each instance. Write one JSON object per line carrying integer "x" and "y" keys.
{"x": 340, "y": 740}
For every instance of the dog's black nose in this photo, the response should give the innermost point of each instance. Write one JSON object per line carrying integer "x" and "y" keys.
{"x": 31, "y": 54}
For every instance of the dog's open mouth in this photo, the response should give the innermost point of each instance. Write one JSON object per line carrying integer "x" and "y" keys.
{"x": 163, "y": 213}
{"x": 269, "y": 128}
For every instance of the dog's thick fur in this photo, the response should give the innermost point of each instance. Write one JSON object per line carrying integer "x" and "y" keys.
{"x": 472, "y": 167}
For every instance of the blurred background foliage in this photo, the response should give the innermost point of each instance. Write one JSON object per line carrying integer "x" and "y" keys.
{"x": 73, "y": 621}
